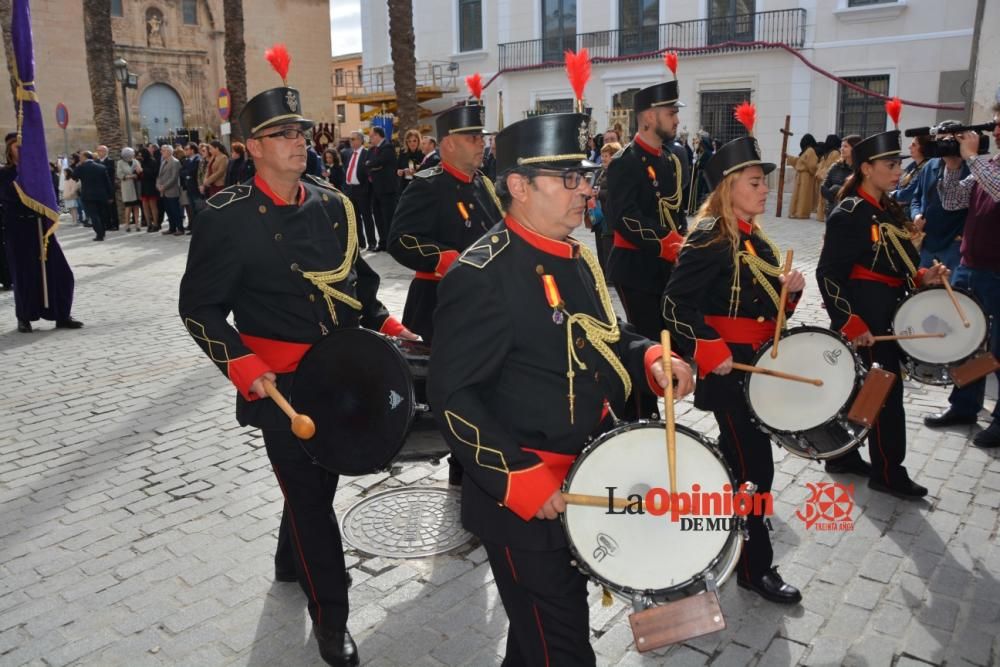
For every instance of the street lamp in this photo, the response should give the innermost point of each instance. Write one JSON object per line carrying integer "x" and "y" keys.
{"x": 127, "y": 80}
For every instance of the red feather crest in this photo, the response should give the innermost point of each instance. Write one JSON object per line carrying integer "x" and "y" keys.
{"x": 578, "y": 70}
{"x": 278, "y": 56}
{"x": 474, "y": 83}
{"x": 894, "y": 107}
{"x": 746, "y": 114}
{"x": 670, "y": 59}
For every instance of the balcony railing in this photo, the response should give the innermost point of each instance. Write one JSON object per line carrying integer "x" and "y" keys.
{"x": 430, "y": 74}
{"x": 786, "y": 26}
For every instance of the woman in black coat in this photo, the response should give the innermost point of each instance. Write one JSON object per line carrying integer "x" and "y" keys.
{"x": 839, "y": 171}
{"x": 409, "y": 158}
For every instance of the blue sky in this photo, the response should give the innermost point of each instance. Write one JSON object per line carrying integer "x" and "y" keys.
{"x": 345, "y": 26}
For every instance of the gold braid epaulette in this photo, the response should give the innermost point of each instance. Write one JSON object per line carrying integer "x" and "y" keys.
{"x": 599, "y": 333}
{"x": 488, "y": 184}
{"x": 325, "y": 280}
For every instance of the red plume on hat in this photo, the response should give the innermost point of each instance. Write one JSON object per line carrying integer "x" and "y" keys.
{"x": 670, "y": 60}
{"x": 474, "y": 82}
{"x": 278, "y": 56}
{"x": 894, "y": 107}
{"x": 578, "y": 71}
{"x": 746, "y": 114}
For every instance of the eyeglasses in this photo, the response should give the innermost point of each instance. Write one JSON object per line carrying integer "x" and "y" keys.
{"x": 287, "y": 133}
{"x": 572, "y": 179}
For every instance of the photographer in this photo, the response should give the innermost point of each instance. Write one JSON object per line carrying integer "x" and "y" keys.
{"x": 979, "y": 270}
{"x": 942, "y": 228}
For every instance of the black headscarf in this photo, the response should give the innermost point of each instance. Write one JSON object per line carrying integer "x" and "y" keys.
{"x": 808, "y": 141}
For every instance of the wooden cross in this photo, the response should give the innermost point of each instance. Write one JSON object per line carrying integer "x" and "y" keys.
{"x": 781, "y": 171}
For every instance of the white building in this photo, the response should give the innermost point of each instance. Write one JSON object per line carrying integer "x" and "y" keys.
{"x": 918, "y": 50}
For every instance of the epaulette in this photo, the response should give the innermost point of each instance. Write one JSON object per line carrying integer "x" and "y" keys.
{"x": 227, "y": 196}
{"x": 321, "y": 182}
{"x": 848, "y": 204}
{"x": 429, "y": 171}
{"x": 486, "y": 249}
{"x": 706, "y": 224}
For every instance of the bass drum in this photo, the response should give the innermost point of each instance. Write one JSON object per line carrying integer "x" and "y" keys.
{"x": 807, "y": 420}
{"x": 644, "y": 555}
{"x": 357, "y": 387}
{"x": 930, "y": 311}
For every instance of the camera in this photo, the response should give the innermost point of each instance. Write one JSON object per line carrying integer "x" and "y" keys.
{"x": 950, "y": 147}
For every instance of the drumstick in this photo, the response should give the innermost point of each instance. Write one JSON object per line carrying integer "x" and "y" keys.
{"x": 668, "y": 409}
{"x": 594, "y": 501}
{"x": 777, "y": 374}
{"x": 879, "y": 339}
{"x": 951, "y": 294}
{"x": 302, "y": 425}
{"x": 781, "y": 305}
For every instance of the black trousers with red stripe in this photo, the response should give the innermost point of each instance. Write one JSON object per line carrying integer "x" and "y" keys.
{"x": 309, "y": 535}
{"x": 545, "y": 598}
{"x": 748, "y": 452}
{"x": 644, "y": 313}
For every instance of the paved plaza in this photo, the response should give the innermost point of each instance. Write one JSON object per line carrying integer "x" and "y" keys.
{"x": 139, "y": 519}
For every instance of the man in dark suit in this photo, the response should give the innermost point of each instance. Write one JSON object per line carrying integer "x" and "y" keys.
{"x": 95, "y": 191}
{"x": 429, "y": 147}
{"x": 385, "y": 184}
{"x": 358, "y": 189}
{"x": 111, "y": 224}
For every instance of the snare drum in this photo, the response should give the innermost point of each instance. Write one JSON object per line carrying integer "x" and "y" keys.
{"x": 361, "y": 390}
{"x": 930, "y": 310}
{"x": 644, "y": 557}
{"x": 807, "y": 420}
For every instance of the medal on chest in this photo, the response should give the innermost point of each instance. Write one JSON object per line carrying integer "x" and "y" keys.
{"x": 464, "y": 212}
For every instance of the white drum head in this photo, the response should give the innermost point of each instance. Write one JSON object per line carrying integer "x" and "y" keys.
{"x": 643, "y": 551}
{"x": 785, "y": 405}
{"x": 931, "y": 311}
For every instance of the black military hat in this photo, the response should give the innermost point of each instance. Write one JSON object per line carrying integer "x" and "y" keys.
{"x": 465, "y": 118}
{"x": 881, "y": 146}
{"x": 733, "y": 156}
{"x": 551, "y": 141}
{"x": 661, "y": 95}
{"x": 273, "y": 107}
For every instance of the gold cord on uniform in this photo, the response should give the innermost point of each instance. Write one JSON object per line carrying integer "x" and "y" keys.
{"x": 759, "y": 268}
{"x": 667, "y": 205}
{"x": 325, "y": 280}
{"x": 896, "y": 236}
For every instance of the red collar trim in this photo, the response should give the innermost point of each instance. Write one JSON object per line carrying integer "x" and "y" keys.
{"x": 262, "y": 185}
{"x": 646, "y": 147}
{"x": 745, "y": 227}
{"x": 868, "y": 198}
{"x": 465, "y": 178}
{"x": 563, "y": 249}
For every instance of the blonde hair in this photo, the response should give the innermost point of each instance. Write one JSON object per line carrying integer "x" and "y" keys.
{"x": 411, "y": 133}
{"x": 719, "y": 204}
{"x": 611, "y": 147}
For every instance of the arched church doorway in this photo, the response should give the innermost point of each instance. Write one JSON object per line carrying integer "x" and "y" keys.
{"x": 160, "y": 111}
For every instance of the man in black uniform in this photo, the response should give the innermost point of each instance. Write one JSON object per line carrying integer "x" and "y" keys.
{"x": 442, "y": 212}
{"x": 644, "y": 194}
{"x": 282, "y": 255}
{"x": 528, "y": 355}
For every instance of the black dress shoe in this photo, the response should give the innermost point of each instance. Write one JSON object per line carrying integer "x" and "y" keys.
{"x": 854, "y": 465}
{"x": 771, "y": 586}
{"x": 989, "y": 438}
{"x": 948, "y": 418}
{"x": 68, "y": 323}
{"x": 285, "y": 576}
{"x": 24, "y": 326}
{"x": 336, "y": 647}
{"x": 904, "y": 488}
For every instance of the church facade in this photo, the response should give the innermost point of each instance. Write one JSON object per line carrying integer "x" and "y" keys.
{"x": 175, "y": 48}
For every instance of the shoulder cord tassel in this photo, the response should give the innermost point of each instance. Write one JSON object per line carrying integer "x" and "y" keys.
{"x": 325, "y": 280}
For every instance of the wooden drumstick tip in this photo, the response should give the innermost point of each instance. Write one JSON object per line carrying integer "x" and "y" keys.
{"x": 303, "y": 427}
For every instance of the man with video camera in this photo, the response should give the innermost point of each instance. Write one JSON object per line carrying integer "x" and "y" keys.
{"x": 942, "y": 228}
{"x": 979, "y": 270}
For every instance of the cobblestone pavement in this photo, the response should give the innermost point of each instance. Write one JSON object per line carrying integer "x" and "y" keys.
{"x": 139, "y": 519}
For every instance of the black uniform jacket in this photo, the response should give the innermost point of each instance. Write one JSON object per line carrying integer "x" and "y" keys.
{"x": 867, "y": 264}
{"x": 251, "y": 256}
{"x": 440, "y": 214}
{"x": 717, "y": 306}
{"x": 498, "y": 376}
{"x": 646, "y": 242}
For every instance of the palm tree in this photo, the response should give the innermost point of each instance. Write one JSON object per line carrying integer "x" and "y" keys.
{"x": 404, "y": 66}
{"x": 6, "y": 18}
{"x": 101, "y": 72}
{"x": 234, "y": 52}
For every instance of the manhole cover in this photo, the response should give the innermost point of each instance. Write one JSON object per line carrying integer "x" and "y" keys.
{"x": 406, "y": 523}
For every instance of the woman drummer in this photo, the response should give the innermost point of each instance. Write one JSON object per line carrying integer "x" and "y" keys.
{"x": 868, "y": 263}
{"x": 721, "y": 304}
